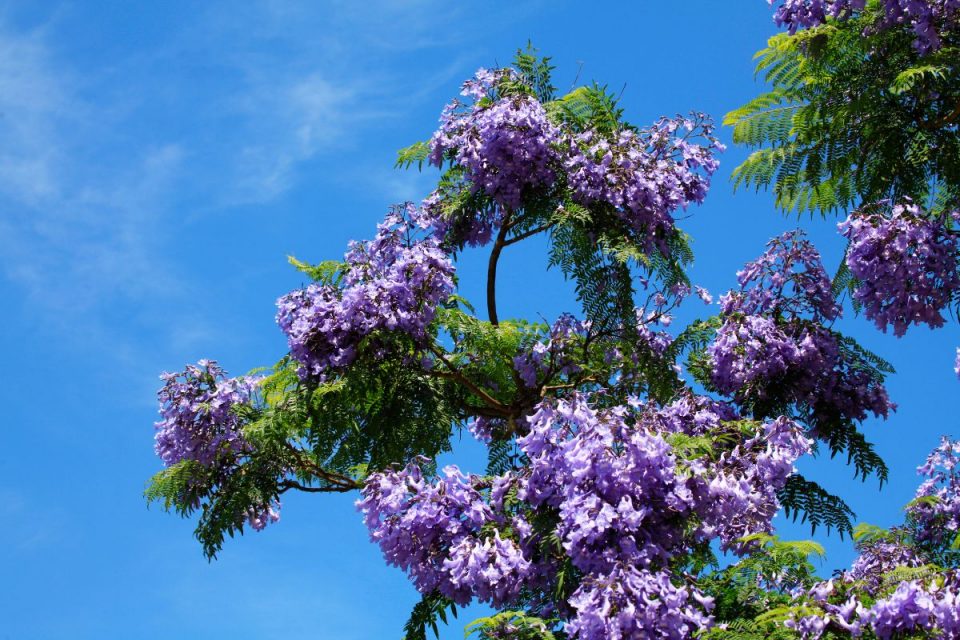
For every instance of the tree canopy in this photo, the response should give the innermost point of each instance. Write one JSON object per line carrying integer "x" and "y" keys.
{"x": 625, "y": 454}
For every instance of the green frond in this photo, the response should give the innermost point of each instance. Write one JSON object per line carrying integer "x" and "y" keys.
{"x": 431, "y": 609}
{"x": 417, "y": 153}
{"x": 328, "y": 272}
{"x": 812, "y": 503}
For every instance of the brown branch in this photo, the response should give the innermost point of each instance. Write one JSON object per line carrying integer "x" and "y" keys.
{"x": 527, "y": 234}
{"x": 457, "y": 375}
{"x": 944, "y": 120}
{"x": 498, "y": 246}
{"x": 286, "y": 485}
{"x": 342, "y": 482}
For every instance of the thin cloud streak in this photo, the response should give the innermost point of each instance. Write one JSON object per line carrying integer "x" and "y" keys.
{"x": 93, "y": 193}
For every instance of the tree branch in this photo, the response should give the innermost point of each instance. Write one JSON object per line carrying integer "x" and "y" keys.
{"x": 492, "y": 270}
{"x": 457, "y": 375}
{"x": 943, "y": 121}
{"x": 337, "y": 481}
{"x": 286, "y": 485}
{"x": 527, "y": 234}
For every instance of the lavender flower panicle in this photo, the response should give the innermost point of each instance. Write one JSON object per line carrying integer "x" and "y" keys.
{"x": 392, "y": 283}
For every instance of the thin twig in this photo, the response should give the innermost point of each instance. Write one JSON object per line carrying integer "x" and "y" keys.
{"x": 469, "y": 384}
{"x": 527, "y": 234}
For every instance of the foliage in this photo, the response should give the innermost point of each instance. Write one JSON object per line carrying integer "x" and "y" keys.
{"x": 623, "y": 455}
{"x": 853, "y": 115}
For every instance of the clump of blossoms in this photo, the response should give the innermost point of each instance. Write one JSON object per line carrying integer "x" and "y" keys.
{"x": 879, "y": 557}
{"x": 392, "y": 283}
{"x": 928, "y": 19}
{"x": 802, "y": 14}
{"x": 644, "y": 175}
{"x": 432, "y": 530}
{"x": 505, "y": 144}
{"x": 201, "y": 422}
{"x": 544, "y": 360}
{"x": 913, "y": 608}
{"x": 773, "y": 347}
{"x": 507, "y": 148}
{"x": 629, "y": 602}
{"x": 936, "y": 508}
{"x": 623, "y": 504}
{"x": 906, "y": 263}
{"x": 198, "y": 411}
{"x": 871, "y": 598}
{"x": 738, "y": 496}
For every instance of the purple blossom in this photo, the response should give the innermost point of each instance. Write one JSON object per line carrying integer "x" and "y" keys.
{"x": 505, "y": 145}
{"x": 630, "y": 602}
{"x": 260, "y": 517}
{"x": 788, "y": 279}
{"x": 928, "y": 19}
{"x": 616, "y": 488}
{"x": 644, "y": 176}
{"x": 773, "y": 349}
{"x": 799, "y": 14}
{"x": 622, "y": 501}
{"x": 909, "y": 608}
{"x": 906, "y": 263}
{"x": 879, "y": 557}
{"x": 704, "y": 295}
{"x": 432, "y": 530}
{"x": 847, "y": 615}
{"x": 936, "y": 508}
{"x": 392, "y": 283}
{"x": 198, "y": 410}
{"x": 555, "y": 356}
{"x": 493, "y": 569}
{"x": 737, "y": 495}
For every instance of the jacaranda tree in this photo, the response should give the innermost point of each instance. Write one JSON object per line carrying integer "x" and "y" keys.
{"x": 624, "y": 455}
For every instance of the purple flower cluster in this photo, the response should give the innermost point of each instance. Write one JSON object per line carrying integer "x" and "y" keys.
{"x": 624, "y": 504}
{"x": 864, "y": 598}
{"x": 260, "y": 516}
{"x": 913, "y": 608}
{"x": 803, "y": 14}
{"x": 846, "y": 615}
{"x": 505, "y": 144}
{"x": 931, "y": 610}
{"x": 198, "y": 414}
{"x": 787, "y": 280}
{"x": 616, "y": 487}
{"x": 508, "y": 149}
{"x": 433, "y": 531}
{"x": 647, "y": 175}
{"x": 906, "y": 263}
{"x": 200, "y": 422}
{"x": 629, "y": 602}
{"x": 937, "y": 507}
{"x": 553, "y": 357}
{"x": 929, "y": 19}
{"x": 773, "y": 347}
{"x": 879, "y": 557}
{"x": 392, "y": 283}
{"x": 694, "y": 415}
{"x": 738, "y": 492}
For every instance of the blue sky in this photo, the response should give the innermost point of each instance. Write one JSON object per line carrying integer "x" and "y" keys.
{"x": 158, "y": 163}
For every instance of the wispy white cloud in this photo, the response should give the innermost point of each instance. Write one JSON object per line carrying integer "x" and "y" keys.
{"x": 91, "y": 193}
